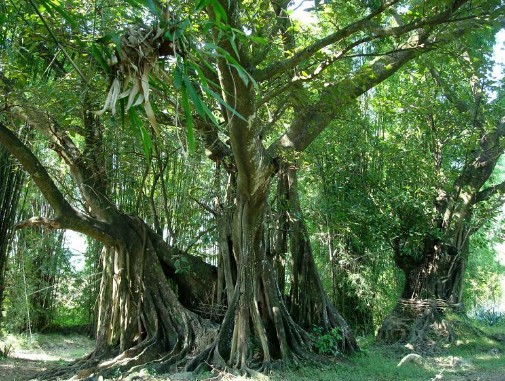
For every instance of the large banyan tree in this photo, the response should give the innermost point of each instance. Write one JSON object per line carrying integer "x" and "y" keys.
{"x": 463, "y": 126}
{"x": 244, "y": 82}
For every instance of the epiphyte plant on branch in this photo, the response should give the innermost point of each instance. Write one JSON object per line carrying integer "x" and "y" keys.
{"x": 143, "y": 53}
{"x": 135, "y": 58}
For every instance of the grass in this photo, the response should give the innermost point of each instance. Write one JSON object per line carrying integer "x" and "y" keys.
{"x": 473, "y": 356}
{"x": 47, "y": 347}
{"x": 374, "y": 363}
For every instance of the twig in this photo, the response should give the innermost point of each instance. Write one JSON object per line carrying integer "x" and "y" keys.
{"x": 57, "y": 42}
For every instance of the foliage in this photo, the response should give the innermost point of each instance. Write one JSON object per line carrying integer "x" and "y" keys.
{"x": 326, "y": 343}
{"x": 484, "y": 274}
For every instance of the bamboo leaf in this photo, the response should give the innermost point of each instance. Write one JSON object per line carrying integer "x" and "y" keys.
{"x": 139, "y": 131}
{"x": 149, "y": 4}
{"x": 50, "y": 5}
{"x": 206, "y": 88}
{"x": 197, "y": 102}
{"x": 189, "y": 120}
{"x": 178, "y": 77}
{"x": 97, "y": 53}
{"x": 216, "y": 96}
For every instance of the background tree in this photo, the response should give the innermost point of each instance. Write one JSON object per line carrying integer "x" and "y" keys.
{"x": 462, "y": 133}
{"x": 10, "y": 191}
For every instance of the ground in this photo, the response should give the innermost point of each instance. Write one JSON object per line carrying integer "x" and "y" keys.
{"x": 477, "y": 359}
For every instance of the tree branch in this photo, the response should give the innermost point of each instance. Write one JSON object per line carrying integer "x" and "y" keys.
{"x": 66, "y": 216}
{"x": 316, "y": 117}
{"x": 489, "y": 192}
{"x": 49, "y": 223}
{"x": 360, "y": 25}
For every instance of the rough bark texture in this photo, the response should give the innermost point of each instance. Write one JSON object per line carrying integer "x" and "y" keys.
{"x": 140, "y": 317}
{"x": 434, "y": 273}
{"x": 257, "y": 328}
{"x": 309, "y": 303}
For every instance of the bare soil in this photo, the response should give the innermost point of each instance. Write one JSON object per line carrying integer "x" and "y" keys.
{"x": 29, "y": 356}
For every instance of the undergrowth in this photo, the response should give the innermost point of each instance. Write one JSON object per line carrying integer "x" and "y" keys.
{"x": 477, "y": 353}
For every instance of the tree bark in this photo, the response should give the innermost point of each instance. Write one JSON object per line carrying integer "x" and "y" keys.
{"x": 309, "y": 303}
{"x": 434, "y": 272}
{"x": 140, "y": 316}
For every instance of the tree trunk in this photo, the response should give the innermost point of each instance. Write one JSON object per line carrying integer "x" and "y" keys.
{"x": 257, "y": 328}
{"x": 309, "y": 303}
{"x": 433, "y": 285}
{"x": 140, "y": 319}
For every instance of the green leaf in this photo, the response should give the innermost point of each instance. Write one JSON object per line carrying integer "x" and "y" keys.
{"x": 201, "y": 5}
{"x": 201, "y": 107}
{"x": 178, "y": 78}
{"x": 189, "y": 120}
{"x": 50, "y": 5}
{"x": 149, "y": 4}
{"x": 232, "y": 43}
{"x": 216, "y": 96}
{"x": 147, "y": 142}
{"x": 97, "y": 53}
{"x": 219, "y": 11}
{"x": 258, "y": 40}
{"x": 180, "y": 29}
{"x": 220, "y": 52}
{"x": 139, "y": 131}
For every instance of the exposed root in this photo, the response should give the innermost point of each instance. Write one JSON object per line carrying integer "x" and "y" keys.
{"x": 423, "y": 326}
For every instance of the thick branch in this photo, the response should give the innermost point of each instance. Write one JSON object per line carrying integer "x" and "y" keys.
{"x": 360, "y": 25}
{"x": 248, "y": 151}
{"x": 49, "y": 223}
{"x": 316, "y": 117}
{"x": 487, "y": 193}
{"x": 215, "y": 148}
{"x": 66, "y": 216}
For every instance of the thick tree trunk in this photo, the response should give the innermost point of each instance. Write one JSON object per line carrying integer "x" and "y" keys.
{"x": 438, "y": 276}
{"x": 309, "y": 303}
{"x": 227, "y": 267}
{"x": 140, "y": 317}
{"x": 257, "y": 328}
{"x": 433, "y": 286}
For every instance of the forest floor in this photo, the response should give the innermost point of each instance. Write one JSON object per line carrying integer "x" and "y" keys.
{"x": 475, "y": 359}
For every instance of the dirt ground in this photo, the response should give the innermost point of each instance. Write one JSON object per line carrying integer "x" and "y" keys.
{"x": 30, "y": 356}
